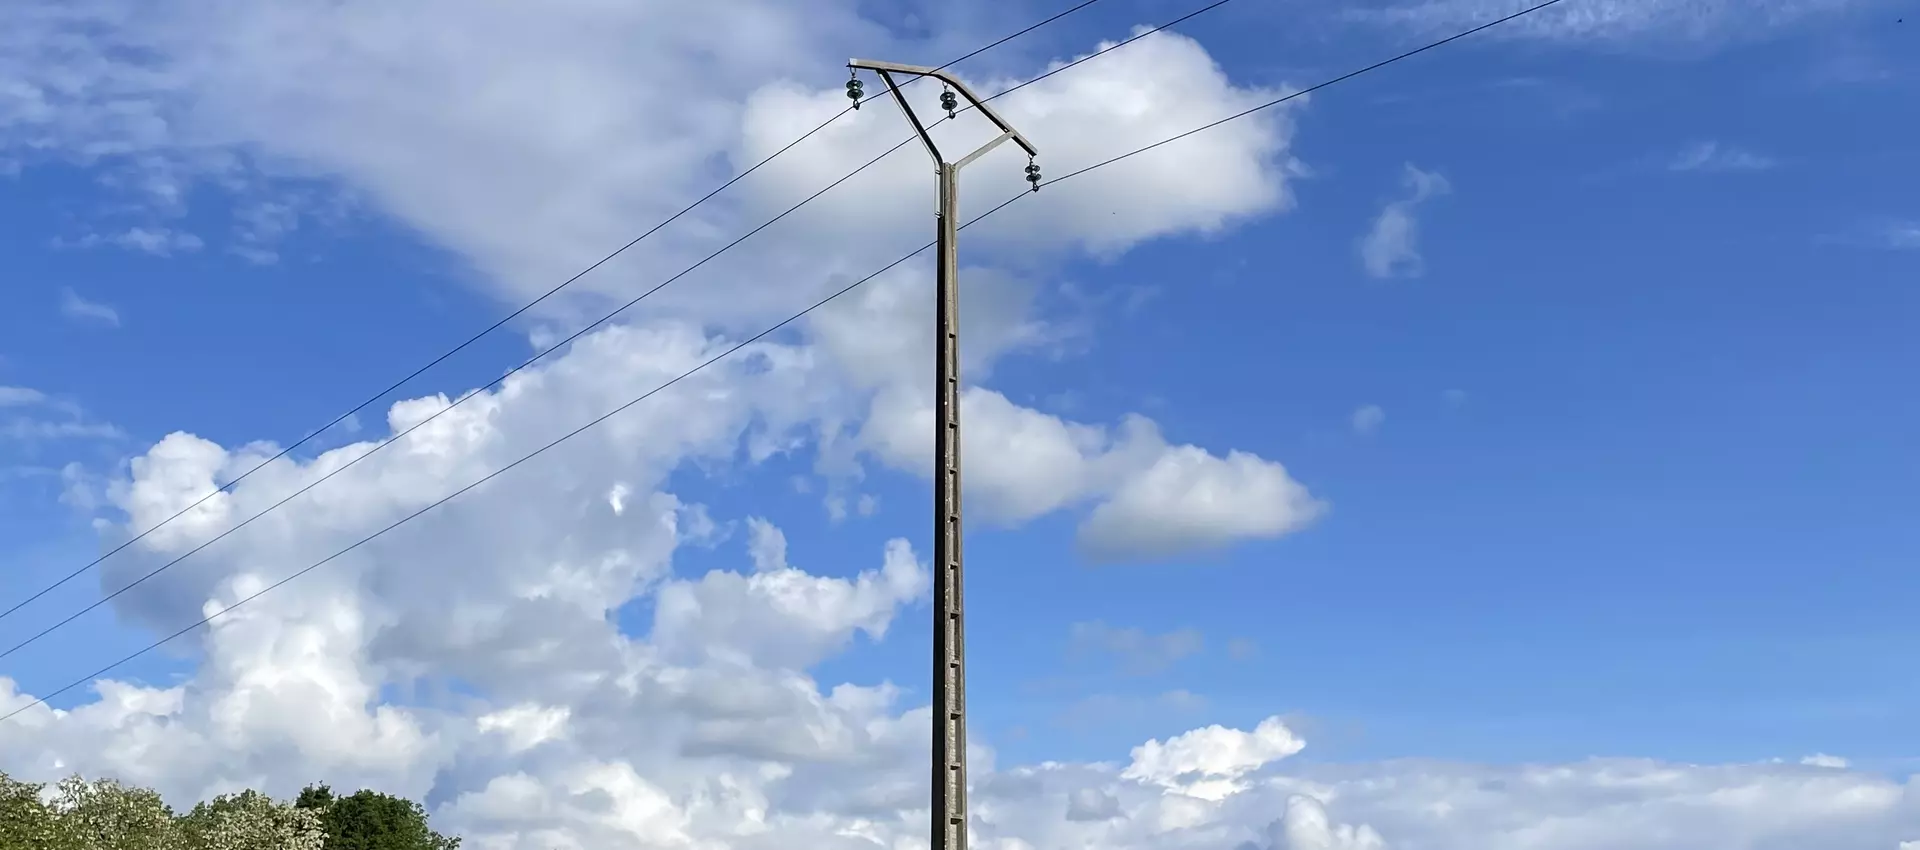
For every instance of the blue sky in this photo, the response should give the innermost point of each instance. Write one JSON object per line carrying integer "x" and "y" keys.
{"x": 1639, "y": 481}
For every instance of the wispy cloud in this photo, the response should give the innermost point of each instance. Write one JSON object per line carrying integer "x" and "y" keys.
{"x": 1138, "y": 652}
{"x": 1107, "y": 710}
{"x": 1391, "y": 247}
{"x": 1901, "y": 236}
{"x": 37, "y": 424}
{"x": 20, "y": 397}
{"x": 260, "y": 226}
{"x": 158, "y": 241}
{"x": 1241, "y": 649}
{"x": 1712, "y": 156}
{"x": 1886, "y": 234}
{"x": 36, "y": 417}
{"x": 80, "y": 309}
{"x": 32, "y": 430}
{"x": 1368, "y": 419}
{"x": 1617, "y": 23}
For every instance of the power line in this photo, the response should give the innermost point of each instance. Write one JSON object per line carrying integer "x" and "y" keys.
{"x": 41, "y": 700}
{"x": 518, "y": 313}
{"x": 530, "y": 361}
{"x": 503, "y": 321}
{"x": 535, "y": 358}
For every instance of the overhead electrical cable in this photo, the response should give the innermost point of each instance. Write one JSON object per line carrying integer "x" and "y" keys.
{"x": 81, "y": 570}
{"x": 761, "y": 335}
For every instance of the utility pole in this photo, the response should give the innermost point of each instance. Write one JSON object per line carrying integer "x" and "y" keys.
{"x": 949, "y": 614}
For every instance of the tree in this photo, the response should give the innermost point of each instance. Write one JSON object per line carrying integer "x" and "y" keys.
{"x": 369, "y": 820}
{"x": 26, "y": 821}
{"x": 105, "y": 815}
{"x": 251, "y": 820}
{"x": 316, "y": 797}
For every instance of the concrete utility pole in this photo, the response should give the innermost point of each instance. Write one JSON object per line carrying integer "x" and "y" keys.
{"x": 949, "y": 615}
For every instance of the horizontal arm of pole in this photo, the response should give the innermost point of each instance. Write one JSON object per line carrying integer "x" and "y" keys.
{"x": 982, "y": 151}
{"x": 943, "y": 76}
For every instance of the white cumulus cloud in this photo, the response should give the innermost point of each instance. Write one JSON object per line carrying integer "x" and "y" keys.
{"x": 1209, "y": 762}
{"x": 1306, "y": 826}
{"x": 475, "y": 656}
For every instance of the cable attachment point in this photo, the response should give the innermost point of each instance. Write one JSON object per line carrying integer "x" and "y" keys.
{"x": 855, "y": 88}
{"x": 948, "y": 101}
{"x": 1033, "y": 173}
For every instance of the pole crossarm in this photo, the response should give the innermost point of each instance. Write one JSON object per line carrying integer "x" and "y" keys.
{"x": 886, "y": 69}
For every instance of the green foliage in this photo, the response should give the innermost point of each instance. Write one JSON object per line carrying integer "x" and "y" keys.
{"x": 104, "y": 815}
{"x": 26, "y": 821}
{"x": 317, "y": 797}
{"x": 251, "y": 820}
{"x": 369, "y": 820}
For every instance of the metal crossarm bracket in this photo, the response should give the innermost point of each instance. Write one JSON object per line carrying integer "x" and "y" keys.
{"x": 886, "y": 69}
